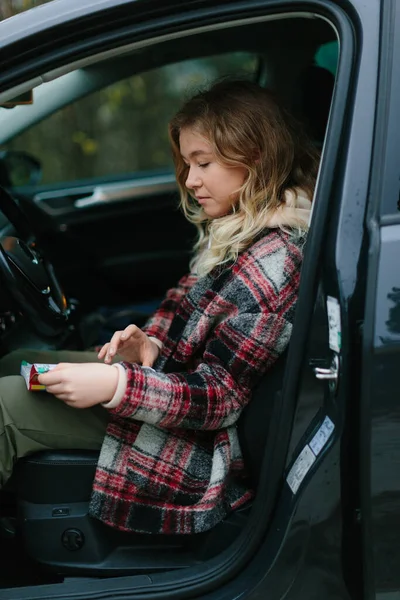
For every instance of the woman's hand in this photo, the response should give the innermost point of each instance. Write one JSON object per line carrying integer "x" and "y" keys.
{"x": 132, "y": 345}
{"x": 81, "y": 385}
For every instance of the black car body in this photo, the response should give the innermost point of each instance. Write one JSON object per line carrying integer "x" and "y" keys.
{"x": 324, "y": 521}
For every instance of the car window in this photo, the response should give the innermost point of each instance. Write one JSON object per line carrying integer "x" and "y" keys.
{"x": 9, "y": 8}
{"x": 123, "y": 127}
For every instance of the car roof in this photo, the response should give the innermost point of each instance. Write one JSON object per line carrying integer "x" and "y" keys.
{"x": 51, "y": 14}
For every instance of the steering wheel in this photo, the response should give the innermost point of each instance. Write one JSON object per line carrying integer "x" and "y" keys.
{"x": 29, "y": 276}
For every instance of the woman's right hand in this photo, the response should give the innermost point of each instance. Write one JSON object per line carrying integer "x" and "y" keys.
{"x": 132, "y": 345}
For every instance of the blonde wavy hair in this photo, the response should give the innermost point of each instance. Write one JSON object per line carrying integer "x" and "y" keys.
{"x": 246, "y": 127}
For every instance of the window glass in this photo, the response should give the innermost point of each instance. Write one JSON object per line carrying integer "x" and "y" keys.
{"x": 9, "y": 8}
{"x": 123, "y": 128}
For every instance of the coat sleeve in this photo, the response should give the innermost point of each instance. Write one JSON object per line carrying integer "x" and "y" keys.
{"x": 237, "y": 353}
{"x": 158, "y": 324}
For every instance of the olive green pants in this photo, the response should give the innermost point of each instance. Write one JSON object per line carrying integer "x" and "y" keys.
{"x": 34, "y": 421}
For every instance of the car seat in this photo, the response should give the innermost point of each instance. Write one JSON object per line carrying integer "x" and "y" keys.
{"x": 314, "y": 100}
{"x": 53, "y": 490}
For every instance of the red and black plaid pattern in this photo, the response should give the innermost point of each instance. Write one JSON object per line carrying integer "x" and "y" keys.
{"x": 171, "y": 459}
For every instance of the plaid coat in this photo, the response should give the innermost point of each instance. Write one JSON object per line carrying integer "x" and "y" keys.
{"x": 171, "y": 459}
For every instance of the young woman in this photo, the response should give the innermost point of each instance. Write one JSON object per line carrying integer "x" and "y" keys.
{"x": 164, "y": 417}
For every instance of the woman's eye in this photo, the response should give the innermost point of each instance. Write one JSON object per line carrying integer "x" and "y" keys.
{"x": 203, "y": 165}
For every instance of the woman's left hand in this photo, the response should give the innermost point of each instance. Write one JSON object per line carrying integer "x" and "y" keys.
{"x": 81, "y": 385}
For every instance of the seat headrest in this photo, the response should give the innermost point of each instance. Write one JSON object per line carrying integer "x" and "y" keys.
{"x": 316, "y": 89}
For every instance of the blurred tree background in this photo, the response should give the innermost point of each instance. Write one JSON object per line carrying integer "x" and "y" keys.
{"x": 122, "y": 128}
{"x": 8, "y": 8}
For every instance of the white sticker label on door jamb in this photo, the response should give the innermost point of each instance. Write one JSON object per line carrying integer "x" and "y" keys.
{"x": 334, "y": 323}
{"x": 300, "y": 468}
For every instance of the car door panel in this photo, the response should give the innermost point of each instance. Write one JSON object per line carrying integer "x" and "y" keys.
{"x": 116, "y": 242}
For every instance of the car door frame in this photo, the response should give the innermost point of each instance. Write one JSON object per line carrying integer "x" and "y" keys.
{"x": 380, "y": 407}
{"x": 342, "y": 195}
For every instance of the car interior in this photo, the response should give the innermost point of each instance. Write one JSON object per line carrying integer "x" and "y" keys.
{"x": 87, "y": 182}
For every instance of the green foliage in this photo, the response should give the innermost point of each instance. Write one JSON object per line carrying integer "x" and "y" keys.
{"x": 9, "y": 8}
{"x": 122, "y": 128}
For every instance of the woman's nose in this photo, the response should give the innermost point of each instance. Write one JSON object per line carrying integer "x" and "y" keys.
{"x": 192, "y": 180}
